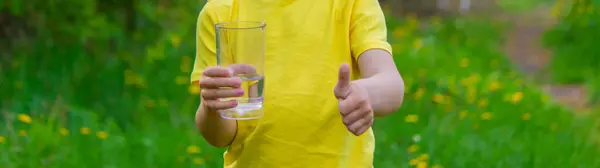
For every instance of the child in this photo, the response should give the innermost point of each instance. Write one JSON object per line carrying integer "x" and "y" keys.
{"x": 330, "y": 72}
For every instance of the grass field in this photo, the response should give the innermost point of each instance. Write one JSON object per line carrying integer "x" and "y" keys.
{"x": 97, "y": 95}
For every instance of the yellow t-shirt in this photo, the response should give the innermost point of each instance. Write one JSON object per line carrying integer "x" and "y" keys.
{"x": 306, "y": 42}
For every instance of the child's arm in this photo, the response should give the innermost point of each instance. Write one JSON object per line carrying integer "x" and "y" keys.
{"x": 380, "y": 78}
{"x": 382, "y": 81}
{"x": 216, "y": 131}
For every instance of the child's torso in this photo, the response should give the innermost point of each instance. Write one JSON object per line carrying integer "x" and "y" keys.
{"x": 307, "y": 41}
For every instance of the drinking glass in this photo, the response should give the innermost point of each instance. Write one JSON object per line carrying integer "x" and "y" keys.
{"x": 241, "y": 48}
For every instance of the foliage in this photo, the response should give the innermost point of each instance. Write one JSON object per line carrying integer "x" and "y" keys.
{"x": 105, "y": 84}
{"x": 574, "y": 42}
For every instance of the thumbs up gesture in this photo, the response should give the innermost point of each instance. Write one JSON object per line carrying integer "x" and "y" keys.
{"x": 353, "y": 102}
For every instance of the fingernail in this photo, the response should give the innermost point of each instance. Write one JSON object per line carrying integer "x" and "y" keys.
{"x": 230, "y": 72}
{"x": 240, "y": 92}
{"x": 234, "y": 103}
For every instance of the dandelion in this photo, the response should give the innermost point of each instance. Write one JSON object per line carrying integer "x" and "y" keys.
{"x": 411, "y": 118}
{"x": 422, "y": 164}
{"x": 463, "y": 114}
{"x": 483, "y": 103}
{"x": 423, "y": 157}
{"x": 399, "y": 32}
{"x": 464, "y": 63}
{"x": 471, "y": 95}
{"x": 182, "y": 80}
{"x": 516, "y": 97}
{"x": 486, "y": 116}
{"x": 198, "y": 161}
{"x": 84, "y": 130}
{"x": 413, "y": 148}
{"x": 194, "y": 89}
{"x": 417, "y": 44}
{"x": 413, "y": 162}
{"x": 526, "y": 116}
{"x": 438, "y": 98}
{"x": 2, "y": 139}
{"x": 24, "y": 118}
{"x": 192, "y": 149}
{"x": 22, "y": 133}
{"x": 416, "y": 138}
{"x": 175, "y": 41}
{"x": 494, "y": 85}
{"x": 419, "y": 94}
{"x": 101, "y": 135}
{"x": 186, "y": 62}
{"x": 63, "y": 132}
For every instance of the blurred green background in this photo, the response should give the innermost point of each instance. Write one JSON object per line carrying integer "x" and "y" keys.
{"x": 90, "y": 83}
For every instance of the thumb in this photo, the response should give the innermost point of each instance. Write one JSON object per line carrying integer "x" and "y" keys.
{"x": 343, "y": 85}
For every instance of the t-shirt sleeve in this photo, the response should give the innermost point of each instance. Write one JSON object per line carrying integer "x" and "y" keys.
{"x": 205, "y": 44}
{"x": 367, "y": 28}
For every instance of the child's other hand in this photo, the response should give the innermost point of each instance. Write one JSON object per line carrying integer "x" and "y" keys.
{"x": 217, "y": 83}
{"x": 353, "y": 102}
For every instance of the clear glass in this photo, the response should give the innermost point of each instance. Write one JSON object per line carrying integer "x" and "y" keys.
{"x": 241, "y": 48}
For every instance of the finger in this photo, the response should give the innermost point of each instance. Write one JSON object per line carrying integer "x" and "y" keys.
{"x": 358, "y": 127}
{"x": 342, "y": 87}
{"x": 363, "y": 129}
{"x": 220, "y": 105}
{"x": 217, "y": 72}
{"x": 211, "y": 94}
{"x": 208, "y": 82}
{"x": 350, "y": 104}
{"x": 355, "y": 115}
{"x": 238, "y": 69}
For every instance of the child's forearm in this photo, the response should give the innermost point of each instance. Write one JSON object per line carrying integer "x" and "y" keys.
{"x": 216, "y": 131}
{"x": 385, "y": 90}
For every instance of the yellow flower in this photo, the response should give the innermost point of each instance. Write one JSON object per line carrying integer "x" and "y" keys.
{"x": 422, "y": 72}
{"x": 463, "y": 114}
{"x": 413, "y": 162}
{"x": 422, "y": 164}
{"x": 483, "y": 103}
{"x": 175, "y": 41}
{"x": 84, "y": 130}
{"x": 526, "y": 116}
{"x": 420, "y": 92}
{"x": 516, "y": 97}
{"x": 24, "y": 118}
{"x": 423, "y": 157}
{"x": 486, "y": 116}
{"x": 399, "y": 32}
{"x": 186, "y": 64}
{"x": 436, "y": 166}
{"x": 182, "y": 80}
{"x": 471, "y": 95}
{"x": 438, "y": 98}
{"x": 63, "y": 132}
{"x": 102, "y": 135}
{"x": 194, "y": 89}
{"x": 413, "y": 148}
{"x": 193, "y": 149}
{"x": 495, "y": 85}
{"x": 2, "y": 139}
{"x": 417, "y": 44}
{"x": 198, "y": 161}
{"x": 464, "y": 63}
{"x": 411, "y": 118}
{"x": 22, "y": 133}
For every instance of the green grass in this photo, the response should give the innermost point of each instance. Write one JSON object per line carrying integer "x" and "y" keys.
{"x": 126, "y": 102}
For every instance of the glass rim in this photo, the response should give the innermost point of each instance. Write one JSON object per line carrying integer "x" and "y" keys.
{"x": 254, "y": 25}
